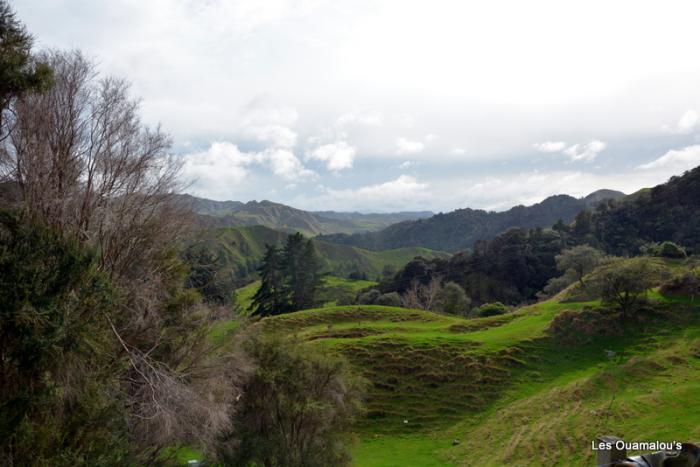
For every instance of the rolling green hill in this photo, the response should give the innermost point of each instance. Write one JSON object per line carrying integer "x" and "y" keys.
{"x": 239, "y": 250}
{"x": 502, "y": 390}
{"x": 288, "y": 219}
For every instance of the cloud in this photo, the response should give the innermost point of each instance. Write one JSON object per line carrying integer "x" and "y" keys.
{"x": 407, "y": 165}
{"x": 688, "y": 123}
{"x": 585, "y": 152}
{"x": 550, "y": 146}
{"x": 214, "y": 173}
{"x": 405, "y": 146}
{"x": 211, "y": 173}
{"x": 458, "y": 151}
{"x": 285, "y": 164}
{"x": 270, "y": 125}
{"x": 675, "y": 161}
{"x": 394, "y": 195}
{"x": 337, "y": 156}
{"x": 370, "y": 118}
{"x": 430, "y": 137}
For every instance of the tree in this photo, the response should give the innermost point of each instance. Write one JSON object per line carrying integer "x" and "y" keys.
{"x": 57, "y": 379}
{"x": 422, "y": 296}
{"x": 580, "y": 260}
{"x": 453, "y": 300}
{"x": 204, "y": 275}
{"x": 88, "y": 168}
{"x": 271, "y": 297}
{"x": 295, "y": 410}
{"x": 623, "y": 282}
{"x": 301, "y": 271}
{"x": 19, "y": 71}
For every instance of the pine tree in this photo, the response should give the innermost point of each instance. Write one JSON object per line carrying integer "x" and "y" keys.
{"x": 300, "y": 267}
{"x": 271, "y": 297}
{"x": 310, "y": 276}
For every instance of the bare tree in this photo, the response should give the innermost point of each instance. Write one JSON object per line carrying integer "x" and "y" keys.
{"x": 86, "y": 165}
{"x": 422, "y": 296}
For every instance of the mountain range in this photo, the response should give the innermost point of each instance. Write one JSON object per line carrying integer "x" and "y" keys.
{"x": 288, "y": 219}
{"x": 458, "y": 230}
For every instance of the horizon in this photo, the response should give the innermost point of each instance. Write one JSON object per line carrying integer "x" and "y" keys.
{"x": 338, "y": 106}
{"x": 406, "y": 211}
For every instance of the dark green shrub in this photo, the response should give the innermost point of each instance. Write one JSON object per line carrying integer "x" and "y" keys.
{"x": 491, "y": 309}
{"x": 369, "y": 297}
{"x": 389, "y": 299}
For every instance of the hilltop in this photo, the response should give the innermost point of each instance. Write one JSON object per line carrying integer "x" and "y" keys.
{"x": 458, "y": 230}
{"x": 288, "y": 219}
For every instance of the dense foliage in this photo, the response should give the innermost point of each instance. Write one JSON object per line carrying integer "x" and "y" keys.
{"x": 59, "y": 390}
{"x": 667, "y": 212}
{"x": 295, "y": 409}
{"x": 289, "y": 278}
{"x": 511, "y": 268}
{"x": 20, "y": 71}
{"x": 460, "y": 229}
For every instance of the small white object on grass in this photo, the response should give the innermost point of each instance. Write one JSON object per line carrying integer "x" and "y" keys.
{"x": 405, "y": 422}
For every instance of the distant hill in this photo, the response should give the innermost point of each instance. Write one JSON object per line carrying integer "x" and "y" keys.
{"x": 288, "y": 219}
{"x": 240, "y": 249}
{"x": 458, "y": 230}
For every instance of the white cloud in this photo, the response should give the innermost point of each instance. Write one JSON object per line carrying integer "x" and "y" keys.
{"x": 211, "y": 173}
{"x": 550, "y": 146}
{"x": 370, "y": 118}
{"x": 458, "y": 151}
{"x": 675, "y": 161}
{"x": 214, "y": 173}
{"x": 402, "y": 193}
{"x": 270, "y": 125}
{"x": 430, "y": 137}
{"x": 285, "y": 164}
{"x": 405, "y": 146}
{"x": 688, "y": 123}
{"x": 337, "y": 156}
{"x": 585, "y": 152}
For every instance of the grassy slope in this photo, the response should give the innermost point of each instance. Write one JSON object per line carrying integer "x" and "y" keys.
{"x": 331, "y": 289}
{"x": 242, "y": 247}
{"x": 510, "y": 396}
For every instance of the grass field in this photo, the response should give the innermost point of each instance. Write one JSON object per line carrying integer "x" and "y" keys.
{"x": 498, "y": 391}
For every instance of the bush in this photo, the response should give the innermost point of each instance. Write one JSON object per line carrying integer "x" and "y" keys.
{"x": 491, "y": 309}
{"x": 687, "y": 285}
{"x": 295, "y": 410}
{"x": 369, "y": 297}
{"x": 389, "y": 299}
{"x": 664, "y": 250}
{"x": 452, "y": 299}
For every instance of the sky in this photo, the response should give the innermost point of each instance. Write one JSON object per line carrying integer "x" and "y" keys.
{"x": 396, "y": 105}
